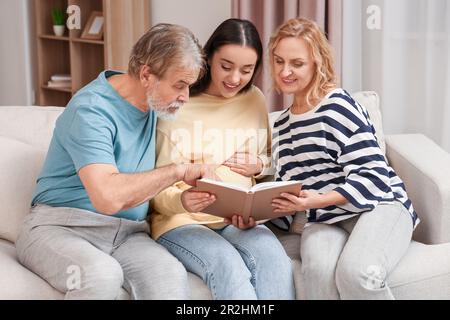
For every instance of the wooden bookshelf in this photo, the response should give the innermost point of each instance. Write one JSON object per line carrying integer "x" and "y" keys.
{"x": 83, "y": 59}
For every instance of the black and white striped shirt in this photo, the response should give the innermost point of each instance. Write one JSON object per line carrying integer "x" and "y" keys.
{"x": 334, "y": 147}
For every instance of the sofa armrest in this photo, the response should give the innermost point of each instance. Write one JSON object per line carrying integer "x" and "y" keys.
{"x": 424, "y": 167}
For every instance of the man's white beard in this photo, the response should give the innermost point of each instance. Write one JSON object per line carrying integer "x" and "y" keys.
{"x": 163, "y": 112}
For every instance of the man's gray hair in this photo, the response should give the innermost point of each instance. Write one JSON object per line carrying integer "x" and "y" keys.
{"x": 164, "y": 46}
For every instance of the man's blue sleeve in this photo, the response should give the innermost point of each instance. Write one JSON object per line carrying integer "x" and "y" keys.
{"x": 90, "y": 138}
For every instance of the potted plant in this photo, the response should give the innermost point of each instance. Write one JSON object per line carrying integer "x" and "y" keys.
{"x": 59, "y": 23}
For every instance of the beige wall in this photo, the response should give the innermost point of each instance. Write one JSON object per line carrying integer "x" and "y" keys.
{"x": 200, "y": 16}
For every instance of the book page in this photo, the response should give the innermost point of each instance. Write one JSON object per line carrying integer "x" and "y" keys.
{"x": 225, "y": 184}
{"x": 272, "y": 184}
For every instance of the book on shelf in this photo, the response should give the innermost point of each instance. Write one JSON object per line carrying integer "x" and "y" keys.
{"x": 255, "y": 202}
{"x": 61, "y": 77}
{"x": 59, "y": 84}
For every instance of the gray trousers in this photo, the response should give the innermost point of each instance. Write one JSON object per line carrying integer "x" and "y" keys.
{"x": 92, "y": 256}
{"x": 352, "y": 259}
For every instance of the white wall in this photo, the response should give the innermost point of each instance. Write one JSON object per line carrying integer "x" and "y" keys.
{"x": 200, "y": 16}
{"x": 352, "y": 46}
{"x": 16, "y": 80}
{"x": 362, "y": 60}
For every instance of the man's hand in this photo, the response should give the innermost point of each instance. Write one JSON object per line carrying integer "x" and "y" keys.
{"x": 111, "y": 191}
{"x": 246, "y": 164}
{"x": 190, "y": 173}
{"x": 238, "y": 222}
{"x": 194, "y": 201}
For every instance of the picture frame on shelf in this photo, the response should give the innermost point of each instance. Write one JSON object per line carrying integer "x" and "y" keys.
{"x": 94, "y": 26}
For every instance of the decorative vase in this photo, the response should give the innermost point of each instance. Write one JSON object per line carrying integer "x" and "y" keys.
{"x": 59, "y": 30}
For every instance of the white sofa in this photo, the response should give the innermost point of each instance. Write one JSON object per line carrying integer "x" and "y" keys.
{"x": 424, "y": 273}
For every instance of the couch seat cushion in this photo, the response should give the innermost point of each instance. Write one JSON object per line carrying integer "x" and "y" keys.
{"x": 423, "y": 273}
{"x": 19, "y": 283}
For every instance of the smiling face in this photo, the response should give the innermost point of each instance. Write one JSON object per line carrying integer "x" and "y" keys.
{"x": 293, "y": 66}
{"x": 232, "y": 68}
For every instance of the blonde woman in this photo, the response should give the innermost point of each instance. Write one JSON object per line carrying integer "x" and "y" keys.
{"x": 360, "y": 220}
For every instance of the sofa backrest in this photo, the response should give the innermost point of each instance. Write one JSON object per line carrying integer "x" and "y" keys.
{"x": 30, "y": 125}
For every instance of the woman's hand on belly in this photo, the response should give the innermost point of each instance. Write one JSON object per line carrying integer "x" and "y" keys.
{"x": 246, "y": 164}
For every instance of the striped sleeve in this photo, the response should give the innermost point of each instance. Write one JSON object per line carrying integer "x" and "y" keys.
{"x": 367, "y": 180}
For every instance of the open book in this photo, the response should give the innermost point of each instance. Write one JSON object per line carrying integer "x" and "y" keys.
{"x": 255, "y": 202}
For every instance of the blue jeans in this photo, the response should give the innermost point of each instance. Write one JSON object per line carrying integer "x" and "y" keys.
{"x": 235, "y": 264}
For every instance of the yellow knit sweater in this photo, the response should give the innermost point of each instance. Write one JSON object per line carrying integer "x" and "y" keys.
{"x": 208, "y": 130}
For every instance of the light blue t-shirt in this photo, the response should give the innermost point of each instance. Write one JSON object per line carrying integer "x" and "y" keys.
{"x": 98, "y": 126}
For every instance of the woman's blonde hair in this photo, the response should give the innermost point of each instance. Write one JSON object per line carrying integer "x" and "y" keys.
{"x": 324, "y": 78}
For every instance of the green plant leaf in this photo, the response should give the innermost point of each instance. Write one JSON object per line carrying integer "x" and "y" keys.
{"x": 58, "y": 17}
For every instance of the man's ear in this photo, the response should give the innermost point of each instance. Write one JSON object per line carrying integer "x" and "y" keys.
{"x": 146, "y": 77}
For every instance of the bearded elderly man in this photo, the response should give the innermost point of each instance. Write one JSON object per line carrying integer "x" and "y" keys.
{"x": 87, "y": 233}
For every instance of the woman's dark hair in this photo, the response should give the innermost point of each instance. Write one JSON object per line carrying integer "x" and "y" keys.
{"x": 231, "y": 31}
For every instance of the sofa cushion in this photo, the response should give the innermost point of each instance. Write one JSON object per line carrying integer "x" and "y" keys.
{"x": 371, "y": 102}
{"x": 20, "y": 164}
{"x": 423, "y": 273}
{"x": 17, "y": 282}
{"x": 199, "y": 290}
{"x": 31, "y": 125}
